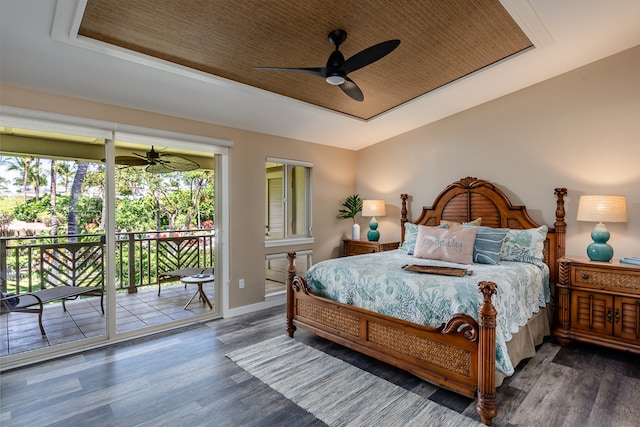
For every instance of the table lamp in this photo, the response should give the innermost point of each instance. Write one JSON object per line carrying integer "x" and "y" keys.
{"x": 373, "y": 208}
{"x": 601, "y": 209}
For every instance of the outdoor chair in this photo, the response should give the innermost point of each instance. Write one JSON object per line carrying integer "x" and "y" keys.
{"x": 33, "y": 302}
{"x": 72, "y": 269}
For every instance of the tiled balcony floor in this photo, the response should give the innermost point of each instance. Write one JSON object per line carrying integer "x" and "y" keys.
{"x": 19, "y": 332}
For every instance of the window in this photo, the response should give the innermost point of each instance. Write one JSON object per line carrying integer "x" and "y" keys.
{"x": 288, "y": 201}
{"x": 276, "y": 266}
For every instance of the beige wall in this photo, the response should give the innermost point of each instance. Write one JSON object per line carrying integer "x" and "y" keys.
{"x": 333, "y": 177}
{"x": 580, "y": 130}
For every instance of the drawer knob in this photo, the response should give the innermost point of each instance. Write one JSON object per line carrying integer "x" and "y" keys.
{"x": 585, "y": 276}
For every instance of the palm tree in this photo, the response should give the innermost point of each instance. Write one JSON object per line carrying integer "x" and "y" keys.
{"x": 53, "y": 190}
{"x": 23, "y": 166}
{"x": 81, "y": 172}
{"x": 64, "y": 172}
{"x": 4, "y": 184}
{"x": 36, "y": 178}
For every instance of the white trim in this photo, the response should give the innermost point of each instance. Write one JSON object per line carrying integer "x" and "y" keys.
{"x": 246, "y": 309}
{"x": 52, "y": 122}
{"x": 110, "y": 233}
{"x": 147, "y": 136}
{"x": 276, "y": 243}
{"x": 222, "y": 214}
{"x": 529, "y": 22}
{"x": 290, "y": 162}
{"x": 46, "y": 121}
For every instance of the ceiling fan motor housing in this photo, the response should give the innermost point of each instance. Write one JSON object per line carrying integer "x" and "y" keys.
{"x": 334, "y": 74}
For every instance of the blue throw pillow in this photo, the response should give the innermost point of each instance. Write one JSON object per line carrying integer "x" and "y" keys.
{"x": 488, "y": 245}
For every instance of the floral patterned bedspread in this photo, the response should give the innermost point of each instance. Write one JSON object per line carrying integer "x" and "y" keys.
{"x": 377, "y": 282}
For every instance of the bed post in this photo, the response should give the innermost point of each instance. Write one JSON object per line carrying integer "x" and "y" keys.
{"x": 560, "y": 225}
{"x": 403, "y": 218}
{"x": 487, "y": 314}
{"x": 291, "y": 272}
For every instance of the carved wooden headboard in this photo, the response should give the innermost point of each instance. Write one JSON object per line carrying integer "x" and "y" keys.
{"x": 470, "y": 198}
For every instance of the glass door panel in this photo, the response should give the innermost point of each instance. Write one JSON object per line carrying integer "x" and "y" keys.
{"x": 52, "y": 242}
{"x": 165, "y": 233}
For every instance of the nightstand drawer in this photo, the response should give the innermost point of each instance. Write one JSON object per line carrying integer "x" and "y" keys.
{"x": 604, "y": 279}
{"x": 360, "y": 247}
{"x": 359, "y": 250}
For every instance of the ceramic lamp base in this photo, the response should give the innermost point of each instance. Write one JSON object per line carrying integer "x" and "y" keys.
{"x": 373, "y": 234}
{"x": 599, "y": 250}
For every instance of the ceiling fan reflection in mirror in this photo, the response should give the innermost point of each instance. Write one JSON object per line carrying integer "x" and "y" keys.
{"x": 156, "y": 162}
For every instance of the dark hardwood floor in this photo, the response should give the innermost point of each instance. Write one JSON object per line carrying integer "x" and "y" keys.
{"x": 182, "y": 378}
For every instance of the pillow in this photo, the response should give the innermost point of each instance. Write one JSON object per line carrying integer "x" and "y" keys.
{"x": 488, "y": 245}
{"x": 525, "y": 245}
{"x": 445, "y": 245}
{"x": 458, "y": 225}
{"x": 410, "y": 236}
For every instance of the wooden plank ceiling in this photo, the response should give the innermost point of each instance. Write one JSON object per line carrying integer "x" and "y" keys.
{"x": 441, "y": 41}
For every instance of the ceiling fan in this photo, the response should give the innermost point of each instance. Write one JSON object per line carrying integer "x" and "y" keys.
{"x": 337, "y": 68}
{"x": 156, "y": 162}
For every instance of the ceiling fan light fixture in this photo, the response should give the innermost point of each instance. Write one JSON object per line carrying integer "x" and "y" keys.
{"x": 335, "y": 80}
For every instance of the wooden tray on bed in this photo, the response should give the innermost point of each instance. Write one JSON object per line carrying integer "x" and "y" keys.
{"x": 436, "y": 269}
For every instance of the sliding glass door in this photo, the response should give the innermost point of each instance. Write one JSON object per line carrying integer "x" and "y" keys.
{"x": 106, "y": 230}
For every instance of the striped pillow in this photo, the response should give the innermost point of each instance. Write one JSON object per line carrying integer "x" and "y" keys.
{"x": 488, "y": 245}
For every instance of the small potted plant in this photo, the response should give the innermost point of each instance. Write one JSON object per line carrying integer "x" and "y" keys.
{"x": 351, "y": 206}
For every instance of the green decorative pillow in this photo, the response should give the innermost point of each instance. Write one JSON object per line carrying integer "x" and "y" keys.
{"x": 525, "y": 245}
{"x": 488, "y": 245}
{"x": 410, "y": 236}
{"x": 445, "y": 245}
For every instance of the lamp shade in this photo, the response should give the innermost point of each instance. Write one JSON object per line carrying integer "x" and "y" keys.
{"x": 373, "y": 208}
{"x": 602, "y": 209}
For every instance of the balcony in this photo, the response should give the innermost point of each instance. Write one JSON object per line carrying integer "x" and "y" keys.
{"x": 29, "y": 264}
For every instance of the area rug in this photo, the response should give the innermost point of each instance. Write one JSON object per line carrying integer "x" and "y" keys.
{"x": 338, "y": 393}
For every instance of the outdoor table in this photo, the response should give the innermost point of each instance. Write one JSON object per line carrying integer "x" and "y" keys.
{"x": 198, "y": 279}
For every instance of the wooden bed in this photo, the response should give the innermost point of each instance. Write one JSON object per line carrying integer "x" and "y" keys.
{"x": 460, "y": 354}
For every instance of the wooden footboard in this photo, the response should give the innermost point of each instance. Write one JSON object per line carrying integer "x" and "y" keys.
{"x": 459, "y": 355}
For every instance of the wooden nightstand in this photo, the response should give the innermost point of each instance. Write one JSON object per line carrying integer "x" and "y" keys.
{"x": 598, "y": 303}
{"x": 359, "y": 247}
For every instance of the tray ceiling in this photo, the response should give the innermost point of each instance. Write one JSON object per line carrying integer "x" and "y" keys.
{"x": 440, "y": 42}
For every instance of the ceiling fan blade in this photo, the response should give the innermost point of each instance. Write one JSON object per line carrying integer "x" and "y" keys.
{"x": 321, "y": 72}
{"x": 350, "y": 88}
{"x": 158, "y": 168}
{"x": 130, "y": 161}
{"x": 176, "y": 163}
{"x": 369, "y": 55}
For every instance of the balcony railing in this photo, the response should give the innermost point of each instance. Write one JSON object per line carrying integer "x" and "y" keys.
{"x": 35, "y": 262}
